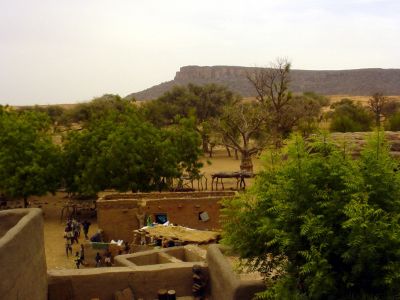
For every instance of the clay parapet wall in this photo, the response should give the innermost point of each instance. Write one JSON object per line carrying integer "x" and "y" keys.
{"x": 166, "y": 195}
{"x": 22, "y": 257}
{"x": 225, "y": 283}
{"x": 102, "y": 283}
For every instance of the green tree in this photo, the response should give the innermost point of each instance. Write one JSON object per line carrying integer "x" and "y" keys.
{"x": 97, "y": 108}
{"x": 320, "y": 225}
{"x": 123, "y": 152}
{"x": 29, "y": 161}
{"x": 377, "y": 105}
{"x": 203, "y": 102}
{"x": 304, "y": 112}
{"x": 393, "y": 122}
{"x": 349, "y": 117}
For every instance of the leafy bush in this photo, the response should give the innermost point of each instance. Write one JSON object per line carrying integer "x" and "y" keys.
{"x": 350, "y": 117}
{"x": 393, "y": 122}
{"x": 329, "y": 223}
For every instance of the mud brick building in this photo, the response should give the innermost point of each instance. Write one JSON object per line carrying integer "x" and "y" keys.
{"x": 119, "y": 214}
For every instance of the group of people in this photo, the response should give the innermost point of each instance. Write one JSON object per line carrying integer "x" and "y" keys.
{"x": 72, "y": 234}
{"x": 107, "y": 259}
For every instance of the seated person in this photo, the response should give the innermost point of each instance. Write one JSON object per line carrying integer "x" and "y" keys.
{"x": 97, "y": 237}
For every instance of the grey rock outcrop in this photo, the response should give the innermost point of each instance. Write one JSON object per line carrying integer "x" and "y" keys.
{"x": 335, "y": 82}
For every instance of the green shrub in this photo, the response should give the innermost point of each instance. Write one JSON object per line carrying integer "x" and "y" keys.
{"x": 329, "y": 223}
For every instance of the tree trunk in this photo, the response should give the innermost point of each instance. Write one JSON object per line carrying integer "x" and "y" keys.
{"x": 204, "y": 139}
{"x": 378, "y": 121}
{"x": 246, "y": 163}
{"x": 236, "y": 154}
{"x": 26, "y": 204}
{"x": 229, "y": 151}
{"x": 210, "y": 153}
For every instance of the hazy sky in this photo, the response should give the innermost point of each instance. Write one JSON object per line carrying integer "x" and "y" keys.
{"x": 64, "y": 51}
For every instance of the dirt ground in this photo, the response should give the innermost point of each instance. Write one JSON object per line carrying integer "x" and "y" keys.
{"x": 54, "y": 231}
{"x": 52, "y": 205}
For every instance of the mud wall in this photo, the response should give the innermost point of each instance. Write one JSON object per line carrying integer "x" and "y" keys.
{"x": 118, "y": 217}
{"x": 102, "y": 283}
{"x": 22, "y": 257}
{"x": 223, "y": 281}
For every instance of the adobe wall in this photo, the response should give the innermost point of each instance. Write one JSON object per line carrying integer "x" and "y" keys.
{"x": 102, "y": 283}
{"x": 22, "y": 258}
{"x": 224, "y": 283}
{"x": 118, "y": 217}
{"x": 164, "y": 195}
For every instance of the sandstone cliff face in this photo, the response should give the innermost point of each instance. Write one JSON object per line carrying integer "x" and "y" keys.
{"x": 346, "y": 82}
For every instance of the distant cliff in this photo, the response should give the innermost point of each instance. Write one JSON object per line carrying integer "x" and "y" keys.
{"x": 345, "y": 82}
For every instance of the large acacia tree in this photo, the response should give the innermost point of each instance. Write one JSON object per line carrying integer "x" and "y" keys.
{"x": 29, "y": 161}
{"x": 243, "y": 127}
{"x": 272, "y": 87}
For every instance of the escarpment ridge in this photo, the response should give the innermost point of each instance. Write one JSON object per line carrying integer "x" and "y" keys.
{"x": 327, "y": 82}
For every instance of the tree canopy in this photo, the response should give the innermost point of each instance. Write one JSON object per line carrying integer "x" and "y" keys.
{"x": 29, "y": 161}
{"x": 348, "y": 116}
{"x": 122, "y": 151}
{"x": 321, "y": 225}
{"x": 203, "y": 102}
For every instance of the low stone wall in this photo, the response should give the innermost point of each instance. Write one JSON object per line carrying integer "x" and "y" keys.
{"x": 22, "y": 257}
{"x": 118, "y": 217}
{"x": 225, "y": 284}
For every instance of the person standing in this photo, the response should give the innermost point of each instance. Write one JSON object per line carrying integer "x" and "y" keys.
{"x": 86, "y": 224}
{"x": 77, "y": 260}
{"x": 68, "y": 246}
{"x": 98, "y": 260}
{"x": 82, "y": 255}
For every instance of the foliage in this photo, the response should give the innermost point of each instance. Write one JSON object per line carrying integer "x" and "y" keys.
{"x": 305, "y": 112}
{"x": 377, "y": 105}
{"x": 393, "y": 122}
{"x": 243, "y": 127}
{"x": 320, "y": 225}
{"x": 122, "y": 151}
{"x": 203, "y": 102}
{"x": 272, "y": 87}
{"x": 29, "y": 161}
{"x": 97, "y": 108}
{"x": 54, "y": 112}
{"x": 350, "y": 117}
